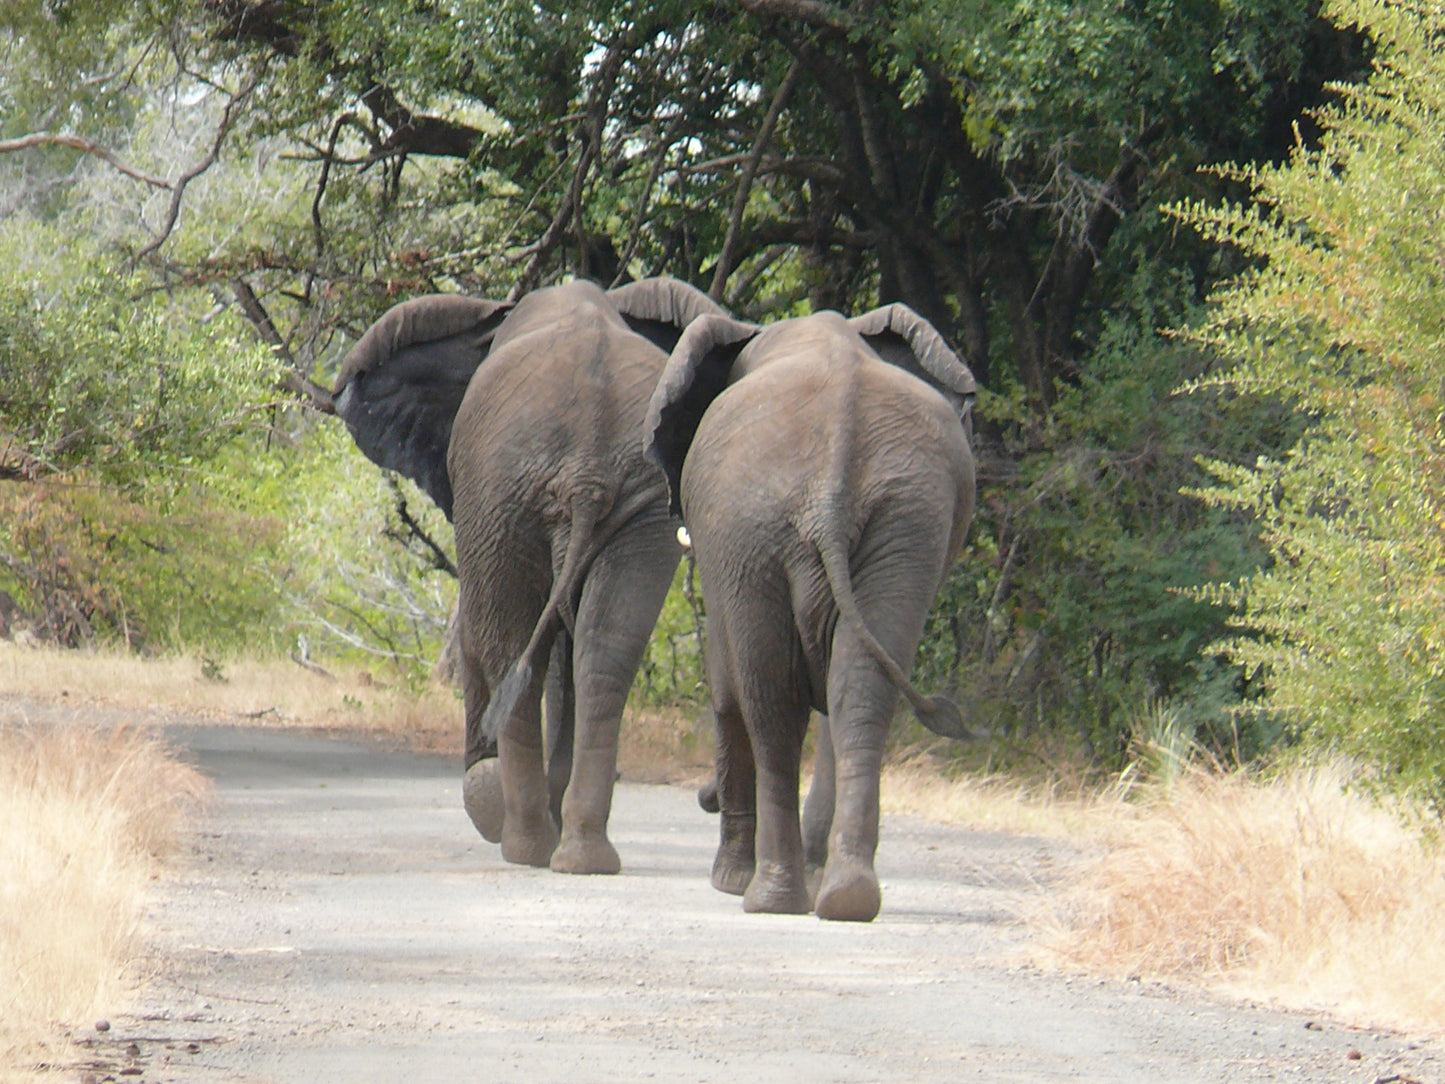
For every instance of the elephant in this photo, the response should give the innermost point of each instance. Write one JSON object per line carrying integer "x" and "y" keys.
{"x": 823, "y": 470}
{"x": 522, "y": 421}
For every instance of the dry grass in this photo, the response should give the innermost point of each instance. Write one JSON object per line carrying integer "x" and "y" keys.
{"x": 274, "y": 692}
{"x": 85, "y": 816}
{"x": 656, "y": 747}
{"x": 665, "y": 747}
{"x": 1057, "y": 805}
{"x": 1294, "y": 890}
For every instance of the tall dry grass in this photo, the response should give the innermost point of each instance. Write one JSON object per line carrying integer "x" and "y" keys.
{"x": 1294, "y": 890}
{"x": 1291, "y": 889}
{"x": 86, "y": 814}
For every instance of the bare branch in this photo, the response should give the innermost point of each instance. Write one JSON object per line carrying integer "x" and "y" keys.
{"x": 292, "y": 379}
{"x": 439, "y": 559}
{"x": 591, "y": 138}
{"x": 743, "y": 286}
{"x": 318, "y": 232}
{"x": 74, "y": 142}
{"x": 178, "y": 190}
{"x": 634, "y": 236}
{"x": 727, "y": 258}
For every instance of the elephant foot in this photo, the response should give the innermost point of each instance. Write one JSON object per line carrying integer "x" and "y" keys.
{"x": 529, "y": 847}
{"x": 585, "y": 854}
{"x": 849, "y": 893}
{"x": 776, "y": 890}
{"x": 732, "y": 869}
{"x": 482, "y": 797}
{"x": 731, "y": 876}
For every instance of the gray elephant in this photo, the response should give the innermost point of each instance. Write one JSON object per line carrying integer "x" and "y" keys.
{"x": 522, "y": 422}
{"x": 823, "y": 470}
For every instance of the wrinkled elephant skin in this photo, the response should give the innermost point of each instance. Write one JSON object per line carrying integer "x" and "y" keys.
{"x": 522, "y": 421}
{"x": 823, "y": 470}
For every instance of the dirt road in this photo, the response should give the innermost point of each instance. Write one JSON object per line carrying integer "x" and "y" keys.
{"x": 337, "y": 919}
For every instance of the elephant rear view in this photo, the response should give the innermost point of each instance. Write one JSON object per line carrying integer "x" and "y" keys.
{"x": 823, "y": 470}
{"x": 521, "y": 421}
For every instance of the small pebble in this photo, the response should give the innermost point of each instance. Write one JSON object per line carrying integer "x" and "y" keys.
{"x": 102, "y": 1025}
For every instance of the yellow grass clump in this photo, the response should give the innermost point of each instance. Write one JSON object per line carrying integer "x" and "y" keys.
{"x": 85, "y": 815}
{"x": 258, "y": 692}
{"x": 1295, "y": 890}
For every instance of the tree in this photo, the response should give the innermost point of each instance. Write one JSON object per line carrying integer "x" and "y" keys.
{"x": 994, "y": 165}
{"x": 1346, "y": 321}
{"x": 973, "y": 160}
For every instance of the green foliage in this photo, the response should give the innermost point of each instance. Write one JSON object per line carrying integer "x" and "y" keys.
{"x": 360, "y": 585}
{"x": 97, "y": 371}
{"x": 972, "y": 159}
{"x": 1347, "y": 322}
{"x": 1071, "y": 604}
{"x": 115, "y": 410}
{"x": 89, "y": 563}
{"x": 1036, "y": 76}
{"x": 673, "y": 670}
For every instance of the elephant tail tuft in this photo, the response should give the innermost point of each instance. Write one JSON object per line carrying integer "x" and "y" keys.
{"x": 938, "y": 713}
{"x": 504, "y": 698}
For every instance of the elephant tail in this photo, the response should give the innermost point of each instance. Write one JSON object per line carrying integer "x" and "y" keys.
{"x": 938, "y": 713}
{"x": 557, "y": 612}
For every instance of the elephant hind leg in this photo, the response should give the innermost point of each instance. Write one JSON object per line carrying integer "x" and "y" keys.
{"x": 818, "y": 809}
{"x": 529, "y": 835}
{"x": 482, "y": 785}
{"x": 779, "y": 884}
{"x": 618, "y": 607}
{"x": 735, "y": 780}
{"x": 736, "y": 861}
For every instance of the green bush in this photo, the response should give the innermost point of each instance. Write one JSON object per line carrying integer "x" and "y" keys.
{"x": 120, "y": 412}
{"x": 673, "y": 672}
{"x": 1072, "y": 605}
{"x": 1346, "y": 323}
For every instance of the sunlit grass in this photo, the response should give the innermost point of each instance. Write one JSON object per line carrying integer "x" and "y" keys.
{"x": 1292, "y": 889}
{"x": 86, "y": 815}
{"x": 1289, "y": 889}
{"x": 259, "y": 692}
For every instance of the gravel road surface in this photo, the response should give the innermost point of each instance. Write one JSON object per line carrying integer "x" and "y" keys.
{"x": 336, "y": 918}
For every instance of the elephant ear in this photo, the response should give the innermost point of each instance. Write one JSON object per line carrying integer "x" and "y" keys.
{"x": 659, "y": 309}
{"x": 901, "y": 337}
{"x": 696, "y": 373}
{"x": 401, "y": 384}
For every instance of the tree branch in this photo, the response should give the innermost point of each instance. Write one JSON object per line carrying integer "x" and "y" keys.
{"x": 591, "y": 138}
{"x": 291, "y": 379}
{"x": 727, "y": 258}
{"x": 420, "y": 133}
{"x": 439, "y": 559}
{"x": 634, "y": 236}
{"x": 178, "y": 190}
{"x": 818, "y": 15}
{"x": 37, "y": 139}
